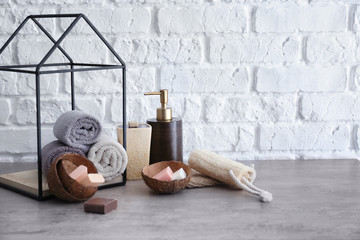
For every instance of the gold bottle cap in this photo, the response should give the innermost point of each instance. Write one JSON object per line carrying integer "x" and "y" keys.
{"x": 164, "y": 113}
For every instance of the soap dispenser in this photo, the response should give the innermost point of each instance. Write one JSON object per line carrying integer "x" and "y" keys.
{"x": 166, "y": 137}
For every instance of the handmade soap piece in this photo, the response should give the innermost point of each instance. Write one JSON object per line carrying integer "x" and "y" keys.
{"x": 79, "y": 174}
{"x": 100, "y": 205}
{"x": 179, "y": 174}
{"x": 164, "y": 175}
{"x": 93, "y": 180}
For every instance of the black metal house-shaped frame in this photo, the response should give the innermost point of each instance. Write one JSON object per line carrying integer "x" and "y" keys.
{"x": 40, "y": 69}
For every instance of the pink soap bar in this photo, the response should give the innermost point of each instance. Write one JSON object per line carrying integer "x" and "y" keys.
{"x": 164, "y": 175}
{"x": 79, "y": 174}
{"x": 93, "y": 180}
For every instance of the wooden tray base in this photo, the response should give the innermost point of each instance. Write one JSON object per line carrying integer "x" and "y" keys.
{"x": 27, "y": 181}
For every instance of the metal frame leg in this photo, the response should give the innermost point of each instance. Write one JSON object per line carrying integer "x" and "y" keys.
{"x": 38, "y": 126}
{"x": 72, "y": 89}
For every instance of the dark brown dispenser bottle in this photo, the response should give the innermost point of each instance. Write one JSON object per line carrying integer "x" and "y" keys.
{"x": 166, "y": 137}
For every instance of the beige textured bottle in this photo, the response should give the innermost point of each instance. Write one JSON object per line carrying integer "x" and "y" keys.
{"x": 138, "y": 138}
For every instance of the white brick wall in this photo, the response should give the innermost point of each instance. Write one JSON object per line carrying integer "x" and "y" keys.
{"x": 252, "y": 79}
{"x": 289, "y": 19}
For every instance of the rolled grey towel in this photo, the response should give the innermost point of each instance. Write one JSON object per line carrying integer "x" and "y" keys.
{"x": 53, "y": 150}
{"x": 109, "y": 157}
{"x": 77, "y": 129}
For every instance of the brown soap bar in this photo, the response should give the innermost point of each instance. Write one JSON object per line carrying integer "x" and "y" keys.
{"x": 100, "y": 205}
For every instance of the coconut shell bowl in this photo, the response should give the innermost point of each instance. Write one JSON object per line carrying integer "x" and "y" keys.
{"x": 165, "y": 186}
{"x": 65, "y": 187}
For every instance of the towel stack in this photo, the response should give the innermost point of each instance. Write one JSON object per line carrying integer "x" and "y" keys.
{"x": 80, "y": 133}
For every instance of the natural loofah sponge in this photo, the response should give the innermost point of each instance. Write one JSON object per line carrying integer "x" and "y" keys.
{"x": 227, "y": 171}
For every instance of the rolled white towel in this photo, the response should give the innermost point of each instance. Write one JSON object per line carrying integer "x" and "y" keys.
{"x": 109, "y": 157}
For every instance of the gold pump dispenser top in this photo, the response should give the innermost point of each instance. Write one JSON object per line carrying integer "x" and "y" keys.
{"x": 164, "y": 113}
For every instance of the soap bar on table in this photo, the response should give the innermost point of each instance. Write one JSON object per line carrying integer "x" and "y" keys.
{"x": 179, "y": 174}
{"x": 93, "y": 180}
{"x": 164, "y": 175}
{"x": 100, "y": 205}
{"x": 79, "y": 174}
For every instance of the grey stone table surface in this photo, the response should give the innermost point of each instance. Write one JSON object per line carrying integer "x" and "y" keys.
{"x": 313, "y": 199}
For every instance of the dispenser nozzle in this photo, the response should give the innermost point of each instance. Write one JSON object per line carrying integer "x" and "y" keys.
{"x": 164, "y": 113}
{"x": 163, "y": 96}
